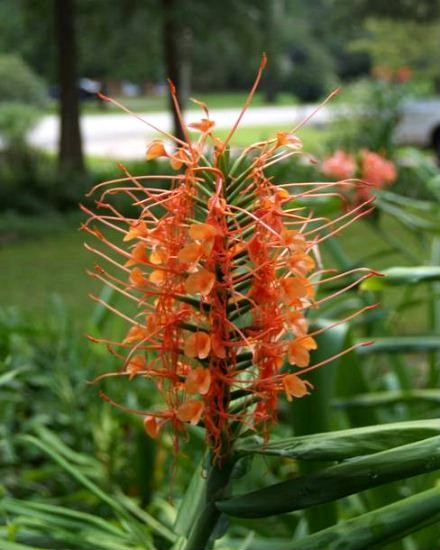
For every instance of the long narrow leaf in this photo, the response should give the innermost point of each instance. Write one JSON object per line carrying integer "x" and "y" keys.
{"x": 375, "y": 529}
{"x": 344, "y": 444}
{"x": 395, "y": 276}
{"x": 389, "y": 398}
{"x": 338, "y": 481}
{"x": 400, "y": 344}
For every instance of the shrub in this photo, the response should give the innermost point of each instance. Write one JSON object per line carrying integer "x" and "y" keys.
{"x": 18, "y": 83}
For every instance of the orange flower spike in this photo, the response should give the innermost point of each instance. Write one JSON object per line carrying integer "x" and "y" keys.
{"x": 200, "y": 282}
{"x": 198, "y": 381}
{"x": 190, "y": 411}
{"x": 295, "y": 387}
{"x": 151, "y": 426}
{"x": 298, "y": 351}
{"x": 198, "y": 345}
{"x": 155, "y": 149}
{"x": 227, "y": 255}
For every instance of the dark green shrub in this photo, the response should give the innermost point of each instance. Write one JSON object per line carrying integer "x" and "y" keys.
{"x": 18, "y": 83}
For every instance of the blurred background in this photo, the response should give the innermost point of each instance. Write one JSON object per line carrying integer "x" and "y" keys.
{"x": 58, "y": 139}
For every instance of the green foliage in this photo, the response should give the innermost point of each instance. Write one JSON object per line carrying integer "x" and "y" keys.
{"x": 16, "y": 119}
{"x": 371, "y": 116}
{"x": 18, "y": 83}
{"x": 420, "y": 53}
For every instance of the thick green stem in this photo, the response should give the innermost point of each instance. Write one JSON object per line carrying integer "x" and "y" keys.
{"x": 201, "y": 535}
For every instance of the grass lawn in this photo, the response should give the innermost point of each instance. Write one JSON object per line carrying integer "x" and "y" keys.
{"x": 55, "y": 263}
{"x": 33, "y": 270}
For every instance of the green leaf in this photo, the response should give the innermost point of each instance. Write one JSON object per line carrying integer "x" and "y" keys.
{"x": 9, "y": 545}
{"x": 375, "y": 529}
{"x": 399, "y": 344}
{"x": 389, "y": 398}
{"x": 131, "y": 524}
{"x": 338, "y": 481}
{"x": 53, "y": 514}
{"x": 312, "y": 414}
{"x": 190, "y": 506}
{"x": 343, "y": 444}
{"x": 395, "y": 276}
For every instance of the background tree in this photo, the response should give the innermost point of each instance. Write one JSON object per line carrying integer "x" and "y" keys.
{"x": 70, "y": 150}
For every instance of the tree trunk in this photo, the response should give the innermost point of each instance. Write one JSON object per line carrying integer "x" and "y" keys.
{"x": 70, "y": 154}
{"x": 172, "y": 56}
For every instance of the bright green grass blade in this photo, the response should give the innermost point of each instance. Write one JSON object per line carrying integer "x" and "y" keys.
{"x": 63, "y": 516}
{"x": 396, "y": 276}
{"x": 190, "y": 505}
{"x": 377, "y": 528}
{"x": 338, "y": 481}
{"x": 69, "y": 454}
{"x": 390, "y": 398}
{"x": 401, "y": 344}
{"x": 131, "y": 524}
{"x": 343, "y": 444}
{"x": 9, "y": 545}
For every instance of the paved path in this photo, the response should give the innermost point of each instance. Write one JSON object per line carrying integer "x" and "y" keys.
{"x": 122, "y": 136}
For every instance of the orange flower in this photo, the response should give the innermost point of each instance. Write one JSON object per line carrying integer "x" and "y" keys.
{"x": 200, "y": 282}
{"x": 295, "y": 387}
{"x": 294, "y": 288}
{"x": 190, "y": 254}
{"x": 138, "y": 255}
{"x": 296, "y": 322}
{"x": 137, "y": 363}
{"x": 137, "y": 229}
{"x": 158, "y": 256}
{"x": 135, "y": 333}
{"x": 190, "y": 411}
{"x": 198, "y": 345}
{"x": 298, "y": 351}
{"x": 156, "y": 149}
{"x": 157, "y": 277}
{"x": 198, "y": 381}
{"x": 137, "y": 277}
{"x": 218, "y": 347}
{"x": 152, "y": 426}
{"x": 288, "y": 140}
{"x": 293, "y": 239}
{"x": 205, "y": 125}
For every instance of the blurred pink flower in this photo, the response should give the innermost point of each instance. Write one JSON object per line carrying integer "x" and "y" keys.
{"x": 376, "y": 170}
{"x": 340, "y": 165}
